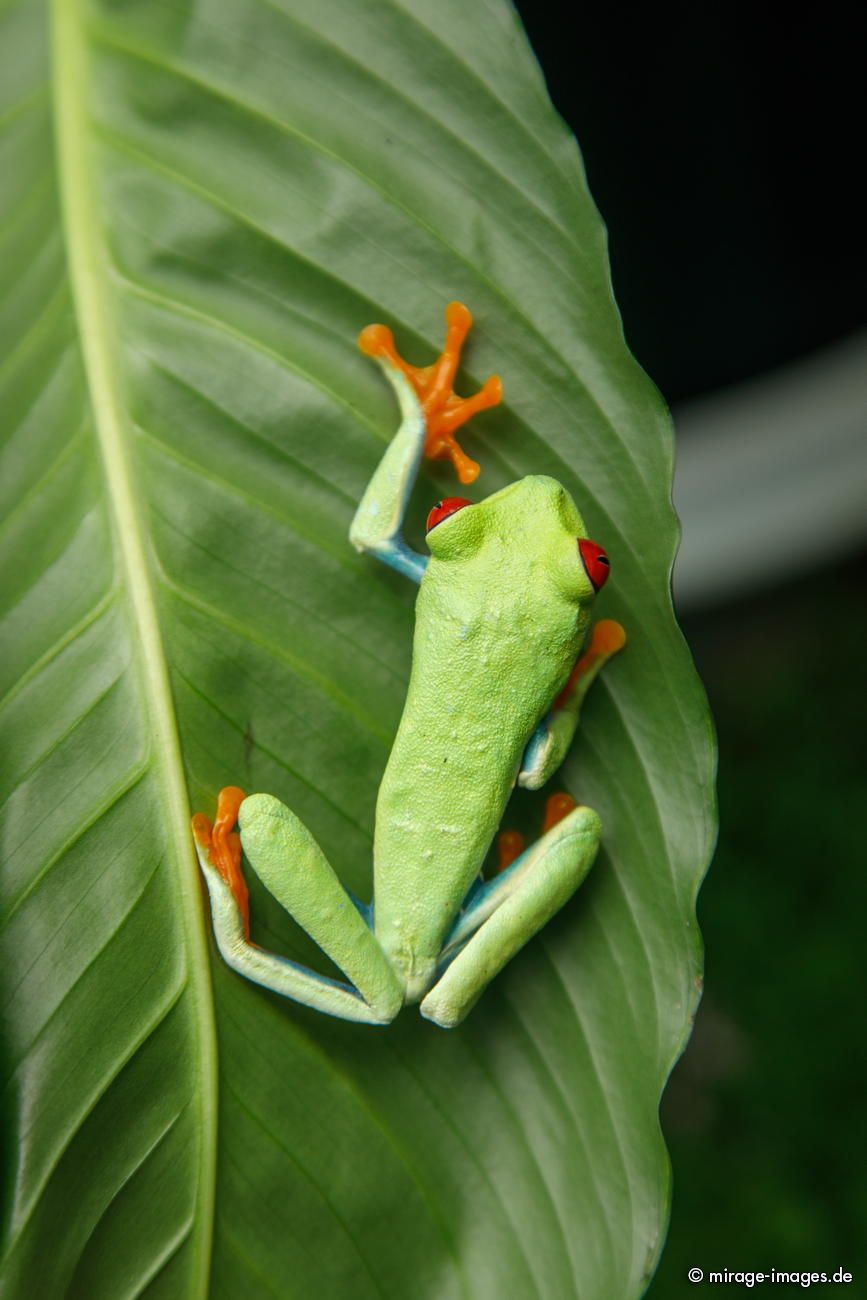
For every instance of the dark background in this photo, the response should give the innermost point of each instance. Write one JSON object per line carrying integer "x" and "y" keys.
{"x": 724, "y": 147}
{"x": 723, "y": 144}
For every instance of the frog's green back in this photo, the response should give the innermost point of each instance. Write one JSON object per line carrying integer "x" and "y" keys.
{"x": 501, "y": 613}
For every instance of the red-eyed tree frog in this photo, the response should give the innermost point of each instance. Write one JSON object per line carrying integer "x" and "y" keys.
{"x": 493, "y": 701}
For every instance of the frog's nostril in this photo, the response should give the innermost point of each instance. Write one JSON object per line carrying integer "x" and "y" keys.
{"x": 596, "y": 563}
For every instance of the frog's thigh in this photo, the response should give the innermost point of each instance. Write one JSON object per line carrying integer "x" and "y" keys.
{"x": 535, "y": 888}
{"x": 294, "y": 869}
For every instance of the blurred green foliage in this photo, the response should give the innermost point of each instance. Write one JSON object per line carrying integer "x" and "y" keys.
{"x": 764, "y": 1114}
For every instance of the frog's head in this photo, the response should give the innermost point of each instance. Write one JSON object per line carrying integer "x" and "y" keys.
{"x": 528, "y": 529}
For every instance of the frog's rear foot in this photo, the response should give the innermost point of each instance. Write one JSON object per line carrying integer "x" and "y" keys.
{"x": 511, "y": 844}
{"x": 223, "y": 845}
{"x": 294, "y": 870}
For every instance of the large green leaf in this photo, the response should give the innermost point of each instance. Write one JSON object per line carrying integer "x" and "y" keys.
{"x": 203, "y": 203}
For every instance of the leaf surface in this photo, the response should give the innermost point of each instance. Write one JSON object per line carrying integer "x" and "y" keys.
{"x": 202, "y": 205}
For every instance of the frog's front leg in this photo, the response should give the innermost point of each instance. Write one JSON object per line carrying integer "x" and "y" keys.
{"x": 294, "y": 869}
{"x": 378, "y": 523}
{"x": 431, "y": 412}
{"x": 550, "y": 741}
{"x": 507, "y": 911}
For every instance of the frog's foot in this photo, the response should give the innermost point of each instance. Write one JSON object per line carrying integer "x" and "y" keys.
{"x": 508, "y": 910}
{"x": 291, "y": 866}
{"x": 557, "y": 806}
{"x": 222, "y": 845}
{"x": 444, "y": 412}
{"x": 511, "y": 844}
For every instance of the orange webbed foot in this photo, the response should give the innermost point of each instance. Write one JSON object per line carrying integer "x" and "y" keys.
{"x": 224, "y": 845}
{"x": 511, "y": 844}
{"x": 443, "y": 410}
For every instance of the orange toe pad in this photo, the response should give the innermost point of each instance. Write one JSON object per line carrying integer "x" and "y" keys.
{"x": 510, "y": 845}
{"x": 557, "y": 806}
{"x": 443, "y": 410}
{"x": 224, "y": 845}
{"x": 608, "y": 637}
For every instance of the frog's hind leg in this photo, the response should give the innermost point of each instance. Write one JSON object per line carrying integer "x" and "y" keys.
{"x": 507, "y": 911}
{"x": 294, "y": 869}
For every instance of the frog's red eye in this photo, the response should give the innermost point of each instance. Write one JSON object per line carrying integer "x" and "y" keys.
{"x": 596, "y": 563}
{"x": 445, "y": 508}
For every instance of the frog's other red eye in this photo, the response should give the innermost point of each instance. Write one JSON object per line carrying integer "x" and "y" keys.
{"x": 596, "y": 563}
{"x": 445, "y": 508}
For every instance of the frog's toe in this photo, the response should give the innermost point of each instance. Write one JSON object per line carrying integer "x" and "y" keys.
{"x": 444, "y": 412}
{"x": 510, "y": 846}
{"x": 607, "y": 637}
{"x": 222, "y": 845}
{"x": 557, "y": 806}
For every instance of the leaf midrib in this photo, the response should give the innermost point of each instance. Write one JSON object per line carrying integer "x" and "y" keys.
{"x": 88, "y": 262}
